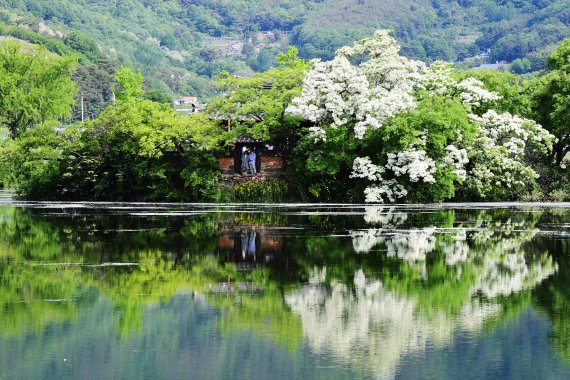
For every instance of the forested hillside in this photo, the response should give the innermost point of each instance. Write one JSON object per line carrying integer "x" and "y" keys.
{"x": 180, "y": 44}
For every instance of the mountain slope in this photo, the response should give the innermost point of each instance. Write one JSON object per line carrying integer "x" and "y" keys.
{"x": 180, "y": 44}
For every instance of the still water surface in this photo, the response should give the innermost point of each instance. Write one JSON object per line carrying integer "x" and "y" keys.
{"x": 162, "y": 291}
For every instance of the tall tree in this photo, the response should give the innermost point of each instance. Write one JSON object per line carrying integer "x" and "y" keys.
{"x": 256, "y": 106}
{"x": 551, "y": 100}
{"x": 35, "y": 86}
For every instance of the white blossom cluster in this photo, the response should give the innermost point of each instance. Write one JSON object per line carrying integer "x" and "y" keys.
{"x": 512, "y": 132}
{"x": 473, "y": 92}
{"x": 363, "y": 241}
{"x": 365, "y": 93}
{"x": 510, "y": 273}
{"x": 389, "y": 190}
{"x": 456, "y": 159}
{"x": 412, "y": 245}
{"x": 413, "y": 163}
{"x": 362, "y": 167}
{"x": 365, "y": 324}
{"x": 371, "y": 326}
{"x": 318, "y": 133}
{"x": 438, "y": 79}
{"x": 317, "y": 275}
{"x": 498, "y": 150}
{"x": 367, "y": 84}
{"x": 458, "y": 251}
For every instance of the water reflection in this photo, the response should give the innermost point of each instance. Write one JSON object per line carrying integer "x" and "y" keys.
{"x": 250, "y": 245}
{"x": 368, "y": 287}
{"x": 452, "y": 279}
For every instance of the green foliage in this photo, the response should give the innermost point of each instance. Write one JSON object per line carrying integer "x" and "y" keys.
{"x": 521, "y": 66}
{"x": 130, "y": 84}
{"x": 96, "y": 86}
{"x": 255, "y": 106}
{"x": 445, "y": 121}
{"x": 142, "y": 150}
{"x": 36, "y": 86}
{"x": 560, "y": 58}
{"x": 320, "y": 170}
{"x": 52, "y": 44}
{"x": 134, "y": 150}
{"x": 551, "y": 100}
{"x": 31, "y": 270}
{"x": 201, "y": 37}
{"x": 264, "y": 61}
{"x": 83, "y": 45}
{"x": 32, "y": 162}
{"x": 513, "y": 96}
{"x": 260, "y": 192}
{"x": 158, "y": 96}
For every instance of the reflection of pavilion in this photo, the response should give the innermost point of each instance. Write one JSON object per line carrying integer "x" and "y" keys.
{"x": 249, "y": 247}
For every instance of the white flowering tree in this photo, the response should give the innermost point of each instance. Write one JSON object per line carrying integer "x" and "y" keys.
{"x": 409, "y": 131}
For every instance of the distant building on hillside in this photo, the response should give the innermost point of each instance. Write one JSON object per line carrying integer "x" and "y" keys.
{"x": 187, "y": 105}
{"x": 184, "y": 101}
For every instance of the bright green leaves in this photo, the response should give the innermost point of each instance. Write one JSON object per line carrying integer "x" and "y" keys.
{"x": 551, "y": 100}
{"x": 35, "y": 86}
{"x": 33, "y": 162}
{"x": 255, "y": 107}
{"x": 130, "y": 84}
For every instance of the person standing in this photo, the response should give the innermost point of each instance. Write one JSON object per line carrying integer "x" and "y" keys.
{"x": 251, "y": 158}
{"x": 244, "y": 160}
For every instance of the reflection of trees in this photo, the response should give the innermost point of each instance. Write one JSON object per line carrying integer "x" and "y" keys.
{"x": 32, "y": 297}
{"x": 35, "y": 294}
{"x": 488, "y": 251}
{"x": 458, "y": 276}
{"x": 372, "y": 326}
{"x": 50, "y": 268}
{"x": 553, "y": 296}
{"x": 408, "y": 280}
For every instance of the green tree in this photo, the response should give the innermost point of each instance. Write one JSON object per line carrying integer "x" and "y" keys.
{"x": 140, "y": 150}
{"x": 508, "y": 86}
{"x": 521, "y": 66}
{"x": 264, "y": 61}
{"x": 32, "y": 162}
{"x": 256, "y": 106}
{"x": 35, "y": 86}
{"x": 130, "y": 83}
{"x": 551, "y": 100}
{"x": 82, "y": 44}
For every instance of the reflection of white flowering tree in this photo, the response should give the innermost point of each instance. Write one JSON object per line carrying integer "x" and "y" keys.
{"x": 371, "y": 326}
{"x": 431, "y": 137}
{"x": 495, "y": 255}
{"x": 373, "y": 322}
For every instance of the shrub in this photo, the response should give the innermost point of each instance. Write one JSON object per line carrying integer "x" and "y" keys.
{"x": 261, "y": 192}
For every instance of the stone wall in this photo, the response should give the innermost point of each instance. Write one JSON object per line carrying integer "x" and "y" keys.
{"x": 236, "y": 179}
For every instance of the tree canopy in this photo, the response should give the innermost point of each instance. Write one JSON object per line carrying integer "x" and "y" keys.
{"x": 35, "y": 86}
{"x": 417, "y": 133}
{"x": 551, "y": 100}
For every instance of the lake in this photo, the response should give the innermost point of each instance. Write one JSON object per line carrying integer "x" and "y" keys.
{"x": 219, "y": 291}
